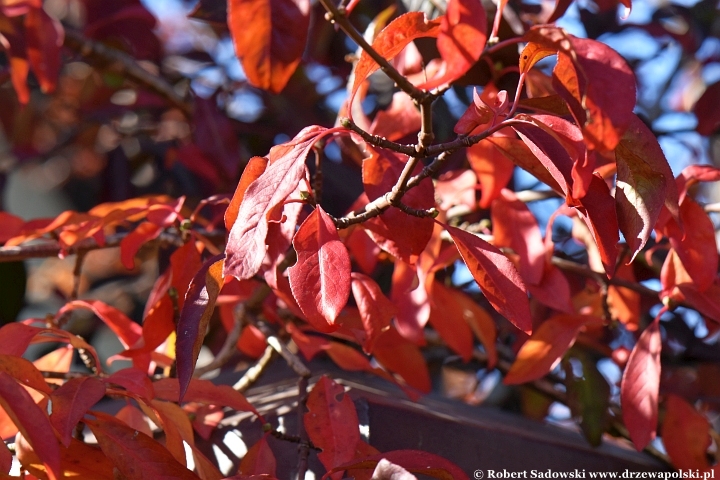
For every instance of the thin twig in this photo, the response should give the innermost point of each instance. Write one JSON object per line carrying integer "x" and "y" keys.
{"x": 52, "y": 248}
{"x": 77, "y": 274}
{"x": 253, "y": 373}
{"x": 65, "y": 375}
{"x": 303, "y": 446}
{"x": 228, "y": 349}
{"x": 378, "y": 141}
{"x": 128, "y": 66}
{"x": 292, "y": 360}
{"x": 338, "y": 16}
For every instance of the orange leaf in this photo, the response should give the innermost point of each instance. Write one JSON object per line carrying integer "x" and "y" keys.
{"x": 131, "y": 244}
{"x": 391, "y": 41}
{"x": 404, "y": 358}
{"x": 269, "y": 38}
{"x": 543, "y": 350}
{"x": 685, "y": 435}
{"x": 24, "y": 372}
{"x": 447, "y": 317}
{"x": 493, "y": 169}
{"x": 461, "y": 41}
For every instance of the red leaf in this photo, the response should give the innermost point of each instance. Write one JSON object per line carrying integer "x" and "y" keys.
{"x": 411, "y": 299}
{"x": 597, "y": 209}
{"x": 553, "y": 156}
{"x": 696, "y": 245}
{"x": 128, "y": 331}
{"x": 553, "y": 290}
{"x": 391, "y": 41}
{"x": 259, "y": 459}
{"x": 640, "y": 386}
{"x": 203, "y": 391}
{"x": 685, "y": 435}
{"x": 362, "y": 249}
{"x": 185, "y": 262}
{"x": 376, "y": 310}
{"x": 515, "y": 226}
{"x": 254, "y": 168}
{"x": 134, "y": 381}
{"x": 195, "y": 316}
{"x": 582, "y": 76}
{"x": 497, "y": 277}
{"x": 401, "y": 119}
{"x": 246, "y": 244}
{"x": 32, "y": 422}
{"x": 252, "y": 342}
{"x": 463, "y": 32}
{"x": 543, "y": 350}
{"x": 24, "y": 372}
{"x": 521, "y": 155}
{"x": 131, "y": 416}
{"x": 705, "y": 109}
{"x": 44, "y": 36}
{"x": 415, "y": 461}
{"x": 71, "y": 401}
{"x": 135, "y": 454}
{"x": 693, "y": 174}
{"x": 644, "y": 184}
{"x": 396, "y": 232}
{"x": 447, "y": 317}
{"x": 493, "y": 169}
{"x": 269, "y": 38}
{"x": 320, "y": 280}
{"x": 6, "y": 459}
{"x": 331, "y": 423}
{"x": 131, "y": 244}
{"x": 402, "y": 357}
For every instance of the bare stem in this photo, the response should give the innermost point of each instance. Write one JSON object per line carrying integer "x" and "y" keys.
{"x": 338, "y": 16}
{"x": 303, "y": 446}
{"x": 253, "y": 373}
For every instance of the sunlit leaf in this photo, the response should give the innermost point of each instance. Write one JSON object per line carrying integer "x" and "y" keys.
{"x": 497, "y": 277}
{"x": 269, "y": 38}
{"x": 685, "y": 434}
{"x": 414, "y": 461}
{"x": 640, "y": 387}
{"x": 320, "y": 280}
{"x": 544, "y": 349}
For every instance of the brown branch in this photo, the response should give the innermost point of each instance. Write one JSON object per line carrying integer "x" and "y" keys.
{"x": 52, "y": 248}
{"x": 378, "y": 141}
{"x": 585, "y": 271}
{"x": 338, "y": 16}
{"x": 92, "y": 49}
{"x": 303, "y": 446}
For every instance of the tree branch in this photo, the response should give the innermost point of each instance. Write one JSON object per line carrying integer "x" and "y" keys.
{"x": 338, "y": 16}
{"x": 88, "y": 48}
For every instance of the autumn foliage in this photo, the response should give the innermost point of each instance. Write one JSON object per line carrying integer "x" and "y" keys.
{"x": 360, "y": 233}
